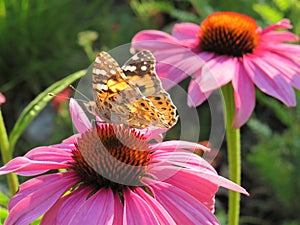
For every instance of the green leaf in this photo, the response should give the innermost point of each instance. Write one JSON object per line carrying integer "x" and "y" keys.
{"x": 3, "y": 215}
{"x": 3, "y": 199}
{"x": 36, "y": 106}
{"x": 269, "y": 14}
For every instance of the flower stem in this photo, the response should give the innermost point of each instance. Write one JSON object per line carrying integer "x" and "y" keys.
{"x": 12, "y": 178}
{"x": 234, "y": 154}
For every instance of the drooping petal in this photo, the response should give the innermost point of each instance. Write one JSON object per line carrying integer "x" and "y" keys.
{"x": 154, "y": 40}
{"x": 202, "y": 190}
{"x": 36, "y": 196}
{"x": 288, "y": 68}
{"x": 26, "y": 167}
{"x": 79, "y": 118}
{"x": 118, "y": 210}
{"x": 183, "y": 31}
{"x": 174, "y": 145}
{"x": 187, "y": 34}
{"x": 274, "y": 36}
{"x": 98, "y": 209}
{"x": 195, "y": 95}
{"x": 184, "y": 208}
{"x": 244, "y": 96}
{"x": 220, "y": 71}
{"x": 65, "y": 208}
{"x": 174, "y": 65}
{"x": 269, "y": 80}
{"x": 137, "y": 211}
{"x": 161, "y": 214}
{"x": 283, "y": 24}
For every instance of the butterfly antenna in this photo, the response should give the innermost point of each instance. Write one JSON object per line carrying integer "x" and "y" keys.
{"x": 79, "y": 92}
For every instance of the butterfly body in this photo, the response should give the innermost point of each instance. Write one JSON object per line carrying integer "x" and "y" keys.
{"x": 131, "y": 95}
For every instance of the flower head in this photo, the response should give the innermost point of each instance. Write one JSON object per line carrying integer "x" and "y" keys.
{"x": 115, "y": 176}
{"x": 228, "y": 47}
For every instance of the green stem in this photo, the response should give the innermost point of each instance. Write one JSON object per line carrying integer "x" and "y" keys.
{"x": 12, "y": 178}
{"x": 234, "y": 154}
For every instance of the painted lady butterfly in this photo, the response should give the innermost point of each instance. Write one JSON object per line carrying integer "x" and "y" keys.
{"x": 131, "y": 95}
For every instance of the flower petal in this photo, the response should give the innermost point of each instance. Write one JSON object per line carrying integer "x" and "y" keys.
{"x": 274, "y": 36}
{"x": 118, "y": 210}
{"x": 244, "y": 96}
{"x": 174, "y": 65}
{"x": 2, "y": 99}
{"x": 154, "y": 40}
{"x": 184, "y": 208}
{"x": 161, "y": 214}
{"x": 283, "y": 24}
{"x": 98, "y": 209}
{"x": 187, "y": 34}
{"x": 203, "y": 190}
{"x": 174, "y": 145}
{"x": 137, "y": 211}
{"x": 269, "y": 80}
{"x": 79, "y": 118}
{"x": 37, "y": 195}
{"x": 219, "y": 72}
{"x": 195, "y": 95}
{"x": 65, "y": 208}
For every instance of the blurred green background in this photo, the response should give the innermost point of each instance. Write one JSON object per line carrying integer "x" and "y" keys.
{"x": 42, "y": 41}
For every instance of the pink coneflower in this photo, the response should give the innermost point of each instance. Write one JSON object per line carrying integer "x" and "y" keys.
{"x": 115, "y": 176}
{"x": 233, "y": 49}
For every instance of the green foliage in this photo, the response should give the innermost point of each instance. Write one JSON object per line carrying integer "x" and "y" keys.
{"x": 277, "y": 157}
{"x": 32, "y": 110}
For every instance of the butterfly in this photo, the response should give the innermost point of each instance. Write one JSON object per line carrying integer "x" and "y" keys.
{"x": 131, "y": 94}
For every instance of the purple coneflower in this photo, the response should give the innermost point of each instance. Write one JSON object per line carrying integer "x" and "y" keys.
{"x": 113, "y": 175}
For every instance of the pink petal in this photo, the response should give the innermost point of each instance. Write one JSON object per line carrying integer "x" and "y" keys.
{"x": 274, "y": 36}
{"x": 118, "y": 210}
{"x": 2, "y": 99}
{"x": 174, "y": 65}
{"x": 220, "y": 71}
{"x": 187, "y": 33}
{"x": 153, "y": 133}
{"x": 283, "y": 24}
{"x": 65, "y": 208}
{"x": 161, "y": 214}
{"x": 98, "y": 209}
{"x": 203, "y": 190}
{"x": 195, "y": 95}
{"x": 26, "y": 167}
{"x": 269, "y": 80}
{"x": 244, "y": 96}
{"x": 289, "y": 69}
{"x": 173, "y": 145}
{"x": 136, "y": 210}
{"x": 37, "y": 195}
{"x": 154, "y": 40}
{"x": 184, "y": 208}
{"x": 79, "y": 118}
{"x": 50, "y": 153}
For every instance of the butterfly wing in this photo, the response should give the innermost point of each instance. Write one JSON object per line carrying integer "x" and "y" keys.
{"x": 118, "y": 100}
{"x": 140, "y": 70}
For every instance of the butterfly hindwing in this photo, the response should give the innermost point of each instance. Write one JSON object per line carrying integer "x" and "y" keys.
{"x": 140, "y": 70}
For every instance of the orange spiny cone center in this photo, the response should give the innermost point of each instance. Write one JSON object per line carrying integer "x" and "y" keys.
{"x": 111, "y": 156}
{"x": 228, "y": 33}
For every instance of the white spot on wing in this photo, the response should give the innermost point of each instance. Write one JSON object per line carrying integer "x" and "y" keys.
{"x": 101, "y": 87}
{"x": 97, "y": 60}
{"x": 144, "y": 68}
{"x": 102, "y": 72}
{"x": 112, "y": 71}
{"x": 135, "y": 57}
